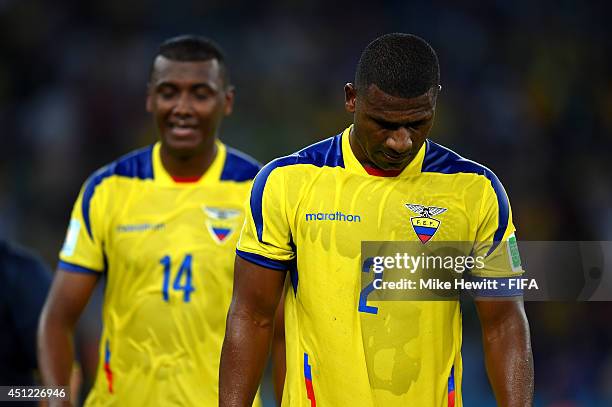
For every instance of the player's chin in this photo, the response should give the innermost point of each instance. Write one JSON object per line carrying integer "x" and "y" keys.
{"x": 183, "y": 146}
{"x": 392, "y": 165}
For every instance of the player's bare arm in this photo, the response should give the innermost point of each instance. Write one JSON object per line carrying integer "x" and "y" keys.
{"x": 279, "y": 361}
{"x": 69, "y": 295}
{"x": 248, "y": 335}
{"x": 507, "y": 349}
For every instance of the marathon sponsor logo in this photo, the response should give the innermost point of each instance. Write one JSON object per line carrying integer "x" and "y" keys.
{"x": 140, "y": 227}
{"x": 332, "y": 216}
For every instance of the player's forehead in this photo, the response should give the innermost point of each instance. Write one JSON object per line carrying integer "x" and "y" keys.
{"x": 170, "y": 71}
{"x": 379, "y": 103}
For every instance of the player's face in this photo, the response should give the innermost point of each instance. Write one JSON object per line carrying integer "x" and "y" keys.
{"x": 188, "y": 101}
{"x": 388, "y": 131}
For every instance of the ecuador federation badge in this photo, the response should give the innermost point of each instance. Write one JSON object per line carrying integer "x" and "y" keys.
{"x": 221, "y": 222}
{"x": 425, "y": 226}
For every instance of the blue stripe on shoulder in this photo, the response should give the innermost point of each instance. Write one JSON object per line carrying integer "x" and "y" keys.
{"x": 239, "y": 167}
{"x": 326, "y": 153}
{"x": 137, "y": 164}
{"x": 442, "y": 160}
{"x": 264, "y": 261}
{"x": 75, "y": 268}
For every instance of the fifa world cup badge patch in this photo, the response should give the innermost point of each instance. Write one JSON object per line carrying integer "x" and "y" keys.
{"x": 513, "y": 253}
{"x": 221, "y": 222}
{"x": 72, "y": 237}
{"x": 425, "y": 226}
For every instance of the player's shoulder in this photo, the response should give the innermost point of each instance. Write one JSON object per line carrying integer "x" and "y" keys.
{"x": 239, "y": 166}
{"x": 135, "y": 164}
{"x": 324, "y": 153}
{"x": 443, "y": 160}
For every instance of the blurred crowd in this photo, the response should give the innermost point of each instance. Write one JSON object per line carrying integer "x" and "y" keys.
{"x": 526, "y": 90}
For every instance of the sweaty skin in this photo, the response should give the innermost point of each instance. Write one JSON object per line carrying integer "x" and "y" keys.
{"x": 69, "y": 295}
{"x": 507, "y": 351}
{"x": 248, "y": 335}
{"x": 188, "y": 101}
{"x": 388, "y": 131}
{"x": 279, "y": 361}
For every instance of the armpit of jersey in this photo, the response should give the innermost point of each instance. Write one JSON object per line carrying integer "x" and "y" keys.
{"x": 264, "y": 261}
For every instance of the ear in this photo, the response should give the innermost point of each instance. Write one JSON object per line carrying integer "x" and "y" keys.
{"x": 350, "y": 96}
{"x": 229, "y": 100}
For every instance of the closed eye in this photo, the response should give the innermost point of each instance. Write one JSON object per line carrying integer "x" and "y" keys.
{"x": 416, "y": 125}
{"x": 385, "y": 124}
{"x": 167, "y": 91}
{"x": 203, "y": 92}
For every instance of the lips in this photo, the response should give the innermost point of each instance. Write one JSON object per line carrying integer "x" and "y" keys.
{"x": 182, "y": 129}
{"x": 396, "y": 158}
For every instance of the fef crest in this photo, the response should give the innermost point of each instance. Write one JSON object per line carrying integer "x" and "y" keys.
{"x": 221, "y": 222}
{"x": 425, "y": 226}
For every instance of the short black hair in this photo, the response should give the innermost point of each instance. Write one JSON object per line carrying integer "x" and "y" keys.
{"x": 401, "y": 65}
{"x": 192, "y": 48}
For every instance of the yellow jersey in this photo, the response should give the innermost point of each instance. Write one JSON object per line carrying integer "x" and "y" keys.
{"x": 310, "y": 212}
{"x": 166, "y": 251}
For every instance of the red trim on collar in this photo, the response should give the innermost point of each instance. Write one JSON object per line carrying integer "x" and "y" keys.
{"x": 185, "y": 180}
{"x": 382, "y": 173}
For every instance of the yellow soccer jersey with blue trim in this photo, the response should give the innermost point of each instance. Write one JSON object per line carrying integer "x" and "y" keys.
{"x": 309, "y": 213}
{"x": 166, "y": 250}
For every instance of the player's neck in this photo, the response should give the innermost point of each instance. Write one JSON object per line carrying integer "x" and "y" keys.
{"x": 188, "y": 167}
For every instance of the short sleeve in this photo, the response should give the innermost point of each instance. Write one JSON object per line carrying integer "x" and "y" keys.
{"x": 495, "y": 237}
{"x": 266, "y": 235}
{"x": 83, "y": 246}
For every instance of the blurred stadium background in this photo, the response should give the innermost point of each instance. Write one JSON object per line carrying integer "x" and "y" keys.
{"x": 527, "y": 90}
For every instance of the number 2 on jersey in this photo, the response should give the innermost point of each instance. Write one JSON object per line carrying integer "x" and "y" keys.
{"x": 182, "y": 281}
{"x": 367, "y": 290}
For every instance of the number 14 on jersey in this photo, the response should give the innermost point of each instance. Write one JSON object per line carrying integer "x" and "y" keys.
{"x": 182, "y": 280}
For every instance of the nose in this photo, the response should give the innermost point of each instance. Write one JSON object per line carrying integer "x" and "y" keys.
{"x": 399, "y": 141}
{"x": 183, "y": 105}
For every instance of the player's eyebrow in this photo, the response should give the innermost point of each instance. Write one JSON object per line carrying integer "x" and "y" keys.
{"x": 177, "y": 84}
{"x": 210, "y": 86}
{"x": 418, "y": 119}
{"x": 382, "y": 121}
